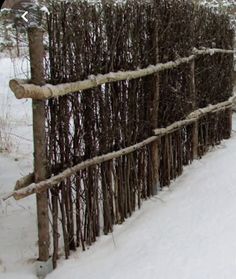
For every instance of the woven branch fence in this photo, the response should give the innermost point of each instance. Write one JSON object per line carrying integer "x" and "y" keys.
{"x": 114, "y": 144}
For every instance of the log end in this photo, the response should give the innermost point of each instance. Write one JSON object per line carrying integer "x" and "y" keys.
{"x": 16, "y": 88}
{"x": 24, "y": 181}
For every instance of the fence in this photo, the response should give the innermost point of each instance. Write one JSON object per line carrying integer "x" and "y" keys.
{"x": 155, "y": 100}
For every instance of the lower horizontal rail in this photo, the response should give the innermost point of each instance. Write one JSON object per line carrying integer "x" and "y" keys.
{"x": 55, "y": 180}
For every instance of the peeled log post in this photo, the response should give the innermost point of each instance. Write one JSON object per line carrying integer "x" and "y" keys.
{"x": 36, "y": 51}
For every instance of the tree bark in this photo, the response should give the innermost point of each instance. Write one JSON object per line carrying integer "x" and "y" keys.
{"x": 22, "y": 89}
{"x": 36, "y": 50}
{"x": 49, "y": 183}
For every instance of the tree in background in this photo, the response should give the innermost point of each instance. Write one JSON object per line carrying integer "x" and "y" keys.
{"x": 13, "y": 27}
{"x": 225, "y": 6}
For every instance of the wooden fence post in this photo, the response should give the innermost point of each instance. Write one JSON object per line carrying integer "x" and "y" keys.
{"x": 154, "y": 120}
{"x": 36, "y": 51}
{"x": 194, "y": 105}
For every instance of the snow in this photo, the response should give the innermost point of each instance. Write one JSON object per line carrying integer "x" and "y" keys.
{"x": 226, "y": 6}
{"x": 187, "y": 231}
{"x": 18, "y": 235}
{"x": 45, "y": 10}
{"x": 15, "y": 114}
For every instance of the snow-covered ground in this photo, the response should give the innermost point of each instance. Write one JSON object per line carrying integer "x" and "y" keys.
{"x": 188, "y": 231}
{"x": 18, "y": 235}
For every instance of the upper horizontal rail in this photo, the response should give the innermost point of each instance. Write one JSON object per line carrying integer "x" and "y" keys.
{"x": 22, "y": 89}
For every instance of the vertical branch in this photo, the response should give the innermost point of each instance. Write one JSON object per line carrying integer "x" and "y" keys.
{"x": 36, "y": 50}
{"x": 154, "y": 118}
{"x": 228, "y": 115}
{"x": 64, "y": 222}
{"x": 194, "y": 106}
{"x": 55, "y": 227}
{"x": 79, "y": 225}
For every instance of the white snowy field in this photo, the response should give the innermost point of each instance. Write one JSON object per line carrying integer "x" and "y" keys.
{"x": 18, "y": 235}
{"x": 188, "y": 231}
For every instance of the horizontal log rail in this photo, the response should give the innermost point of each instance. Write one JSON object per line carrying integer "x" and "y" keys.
{"x": 55, "y": 180}
{"x": 194, "y": 116}
{"x": 23, "y": 89}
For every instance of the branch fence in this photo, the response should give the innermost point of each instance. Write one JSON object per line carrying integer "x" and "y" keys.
{"x": 134, "y": 92}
